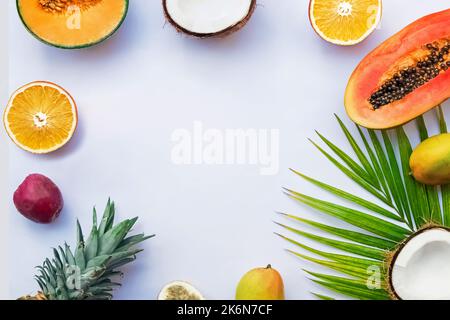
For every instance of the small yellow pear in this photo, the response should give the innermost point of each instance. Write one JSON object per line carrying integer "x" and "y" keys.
{"x": 261, "y": 284}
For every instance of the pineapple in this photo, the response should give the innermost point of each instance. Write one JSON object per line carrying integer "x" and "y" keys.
{"x": 87, "y": 273}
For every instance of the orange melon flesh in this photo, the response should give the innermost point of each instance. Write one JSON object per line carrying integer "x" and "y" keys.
{"x": 369, "y": 74}
{"x": 73, "y": 28}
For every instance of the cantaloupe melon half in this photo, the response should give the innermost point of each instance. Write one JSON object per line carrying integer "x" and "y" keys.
{"x": 72, "y": 23}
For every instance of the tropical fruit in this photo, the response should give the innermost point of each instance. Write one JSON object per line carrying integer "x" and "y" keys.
{"x": 399, "y": 250}
{"x": 261, "y": 284}
{"x": 90, "y": 272}
{"x": 344, "y": 22}
{"x": 38, "y": 199}
{"x": 420, "y": 268}
{"x": 41, "y": 117}
{"x": 180, "y": 290}
{"x": 72, "y": 24}
{"x": 404, "y": 77}
{"x": 208, "y": 18}
{"x": 430, "y": 161}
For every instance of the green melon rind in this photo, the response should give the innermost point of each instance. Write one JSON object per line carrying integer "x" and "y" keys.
{"x": 78, "y": 46}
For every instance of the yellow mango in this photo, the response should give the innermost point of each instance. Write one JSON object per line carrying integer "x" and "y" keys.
{"x": 430, "y": 161}
{"x": 261, "y": 284}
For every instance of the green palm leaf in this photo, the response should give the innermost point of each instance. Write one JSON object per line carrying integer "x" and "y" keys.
{"x": 387, "y": 173}
{"x": 322, "y": 297}
{"x": 432, "y": 192}
{"x": 359, "y": 285}
{"x": 376, "y": 165}
{"x": 348, "y": 196}
{"x": 342, "y": 245}
{"x": 358, "y": 237}
{"x": 379, "y": 163}
{"x": 359, "y": 153}
{"x": 347, "y": 260}
{"x": 397, "y": 177}
{"x": 353, "y": 165}
{"x": 354, "y": 271}
{"x": 415, "y": 191}
{"x": 352, "y": 175}
{"x": 357, "y": 218}
{"x": 446, "y": 188}
{"x": 353, "y": 291}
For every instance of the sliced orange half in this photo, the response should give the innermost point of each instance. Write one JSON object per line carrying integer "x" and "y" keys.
{"x": 344, "y": 22}
{"x": 41, "y": 117}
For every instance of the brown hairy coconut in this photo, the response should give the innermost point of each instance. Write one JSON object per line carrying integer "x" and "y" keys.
{"x": 419, "y": 269}
{"x": 208, "y": 18}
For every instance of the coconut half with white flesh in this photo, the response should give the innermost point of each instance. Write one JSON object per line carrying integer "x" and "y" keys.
{"x": 208, "y": 18}
{"x": 180, "y": 290}
{"x": 420, "y": 269}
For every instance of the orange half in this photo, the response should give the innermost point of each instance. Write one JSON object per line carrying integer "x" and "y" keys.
{"x": 41, "y": 117}
{"x": 344, "y": 22}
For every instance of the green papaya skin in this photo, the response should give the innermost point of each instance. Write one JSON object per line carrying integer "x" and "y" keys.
{"x": 430, "y": 161}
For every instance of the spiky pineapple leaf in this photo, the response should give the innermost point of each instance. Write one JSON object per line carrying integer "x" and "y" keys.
{"x": 87, "y": 273}
{"x": 91, "y": 248}
{"x": 109, "y": 241}
{"x": 132, "y": 241}
{"x": 108, "y": 218}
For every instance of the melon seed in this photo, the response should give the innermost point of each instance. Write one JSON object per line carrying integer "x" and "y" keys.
{"x": 59, "y": 6}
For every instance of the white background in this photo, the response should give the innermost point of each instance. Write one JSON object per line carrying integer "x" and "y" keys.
{"x": 4, "y": 225}
{"x": 213, "y": 223}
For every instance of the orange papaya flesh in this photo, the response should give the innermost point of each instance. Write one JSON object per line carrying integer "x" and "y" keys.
{"x": 404, "y": 77}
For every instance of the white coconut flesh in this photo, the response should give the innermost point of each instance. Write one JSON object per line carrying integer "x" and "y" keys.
{"x": 208, "y": 16}
{"x": 180, "y": 290}
{"x": 421, "y": 269}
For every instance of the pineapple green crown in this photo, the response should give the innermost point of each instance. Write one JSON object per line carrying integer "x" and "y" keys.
{"x": 87, "y": 273}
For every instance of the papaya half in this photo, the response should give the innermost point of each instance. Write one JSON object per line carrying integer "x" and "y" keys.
{"x": 72, "y": 24}
{"x": 404, "y": 77}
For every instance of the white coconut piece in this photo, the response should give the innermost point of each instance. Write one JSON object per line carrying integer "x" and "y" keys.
{"x": 180, "y": 290}
{"x": 421, "y": 269}
{"x": 208, "y": 17}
